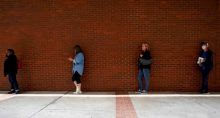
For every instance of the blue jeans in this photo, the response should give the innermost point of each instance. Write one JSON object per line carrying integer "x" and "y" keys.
{"x": 13, "y": 82}
{"x": 146, "y": 74}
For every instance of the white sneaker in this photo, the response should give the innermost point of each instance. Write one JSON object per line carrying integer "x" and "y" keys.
{"x": 77, "y": 92}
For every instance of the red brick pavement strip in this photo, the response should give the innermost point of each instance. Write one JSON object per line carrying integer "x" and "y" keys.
{"x": 125, "y": 108}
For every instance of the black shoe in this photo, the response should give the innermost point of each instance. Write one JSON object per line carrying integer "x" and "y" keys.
{"x": 204, "y": 92}
{"x": 11, "y": 92}
{"x": 17, "y": 92}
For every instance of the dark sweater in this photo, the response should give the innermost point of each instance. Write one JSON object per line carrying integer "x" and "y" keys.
{"x": 10, "y": 65}
{"x": 146, "y": 56}
{"x": 208, "y": 64}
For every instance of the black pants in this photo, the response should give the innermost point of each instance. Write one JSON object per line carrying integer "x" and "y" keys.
{"x": 13, "y": 82}
{"x": 76, "y": 77}
{"x": 205, "y": 75}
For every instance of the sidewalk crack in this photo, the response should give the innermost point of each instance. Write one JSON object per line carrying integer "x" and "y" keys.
{"x": 52, "y": 102}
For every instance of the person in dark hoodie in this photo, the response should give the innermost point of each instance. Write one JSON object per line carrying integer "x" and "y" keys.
{"x": 10, "y": 70}
{"x": 205, "y": 62}
{"x": 144, "y": 65}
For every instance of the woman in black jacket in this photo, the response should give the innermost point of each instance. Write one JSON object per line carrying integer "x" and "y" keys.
{"x": 10, "y": 70}
{"x": 144, "y": 65}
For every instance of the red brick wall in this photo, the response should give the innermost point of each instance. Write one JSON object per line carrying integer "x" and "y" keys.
{"x": 110, "y": 32}
{"x": 217, "y": 58}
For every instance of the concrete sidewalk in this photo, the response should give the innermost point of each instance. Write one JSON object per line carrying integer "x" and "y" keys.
{"x": 64, "y": 104}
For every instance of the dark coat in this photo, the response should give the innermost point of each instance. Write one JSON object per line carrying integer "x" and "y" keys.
{"x": 208, "y": 64}
{"x": 145, "y": 61}
{"x": 10, "y": 65}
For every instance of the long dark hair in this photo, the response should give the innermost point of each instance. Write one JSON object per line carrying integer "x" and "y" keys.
{"x": 78, "y": 49}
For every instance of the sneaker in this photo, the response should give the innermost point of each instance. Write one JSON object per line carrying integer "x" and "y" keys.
{"x": 77, "y": 92}
{"x": 17, "y": 92}
{"x": 139, "y": 92}
{"x": 11, "y": 92}
{"x": 145, "y": 92}
{"x": 204, "y": 92}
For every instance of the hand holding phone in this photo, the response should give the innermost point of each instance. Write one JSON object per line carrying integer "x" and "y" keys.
{"x": 141, "y": 55}
{"x": 70, "y": 59}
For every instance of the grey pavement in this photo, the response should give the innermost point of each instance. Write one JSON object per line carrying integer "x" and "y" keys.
{"x": 64, "y": 104}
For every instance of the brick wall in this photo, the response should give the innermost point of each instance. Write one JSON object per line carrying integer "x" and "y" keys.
{"x": 217, "y": 58}
{"x": 110, "y": 32}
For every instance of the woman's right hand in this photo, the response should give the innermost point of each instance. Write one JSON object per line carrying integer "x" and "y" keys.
{"x": 70, "y": 59}
{"x": 141, "y": 55}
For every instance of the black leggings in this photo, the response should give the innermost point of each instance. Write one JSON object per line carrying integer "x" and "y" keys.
{"x": 76, "y": 77}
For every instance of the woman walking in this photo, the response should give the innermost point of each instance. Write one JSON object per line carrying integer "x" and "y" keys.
{"x": 78, "y": 67}
{"x": 144, "y": 65}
